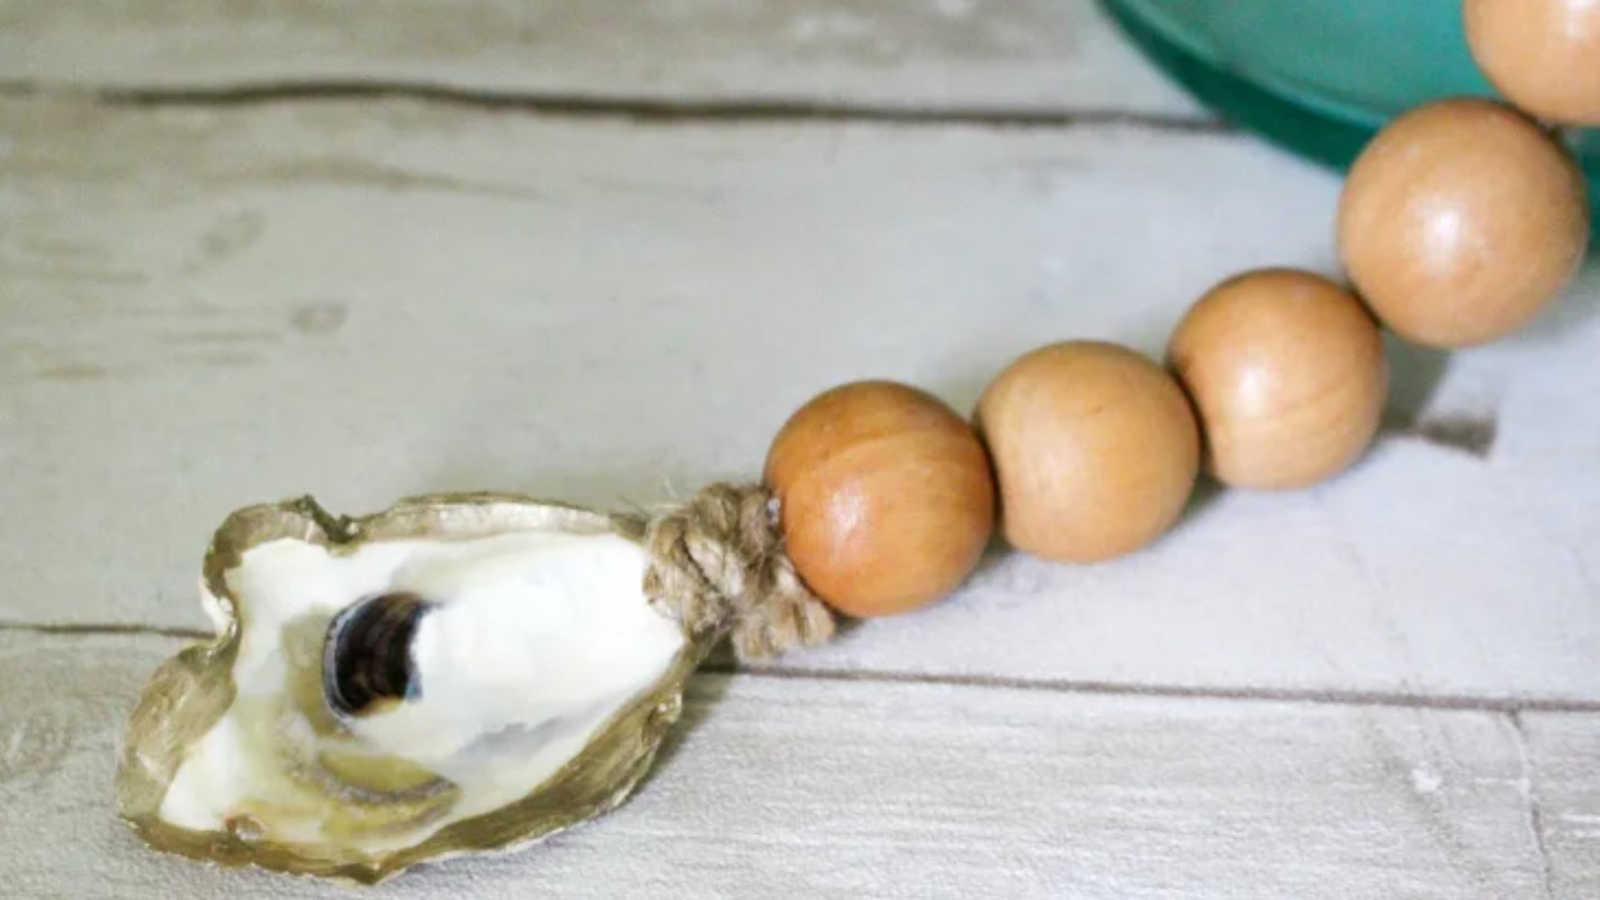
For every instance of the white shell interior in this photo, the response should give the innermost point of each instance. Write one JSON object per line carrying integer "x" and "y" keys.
{"x": 538, "y": 639}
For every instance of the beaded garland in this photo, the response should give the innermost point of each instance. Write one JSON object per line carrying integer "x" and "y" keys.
{"x": 1459, "y": 222}
{"x": 354, "y": 755}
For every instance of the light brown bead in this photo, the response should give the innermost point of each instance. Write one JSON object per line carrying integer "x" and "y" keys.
{"x": 1543, "y": 55}
{"x": 886, "y": 497}
{"x": 1287, "y": 372}
{"x": 1460, "y": 221}
{"x": 1095, "y": 449}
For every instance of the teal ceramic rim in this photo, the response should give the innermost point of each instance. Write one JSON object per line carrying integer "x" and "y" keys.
{"x": 1301, "y": 120}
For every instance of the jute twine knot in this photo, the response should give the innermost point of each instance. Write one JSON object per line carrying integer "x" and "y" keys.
{"x": 717, "y": 564}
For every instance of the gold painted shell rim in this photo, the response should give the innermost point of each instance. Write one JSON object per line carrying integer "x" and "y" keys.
{"x": 189, "y": 692}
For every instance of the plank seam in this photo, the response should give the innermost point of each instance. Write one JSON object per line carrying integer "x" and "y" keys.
{"x": 1332, "y": 697}
{"x": 1511, "y": 706}
{"x": 642, "y": 109}
{"x": 1530, "y": 795}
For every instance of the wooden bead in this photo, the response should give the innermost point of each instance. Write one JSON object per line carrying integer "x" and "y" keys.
{"x": 1460, "y": 221}
{"x": 886, "y": 497}
{"x": 1543, "y": 55}
{"x": 1287, "y": 372}
{"x": 1095, "y": 449}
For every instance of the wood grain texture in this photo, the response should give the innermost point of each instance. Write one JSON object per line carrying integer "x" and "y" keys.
{"x": 886, "y": 497}
{"x": 1461, "y": 221}
{"x": 1095, "y": 450}
{"x": 202, "y": 308}
{"x": 836, "y": 789}
{"x": 971, "y": 54}
{"x": 1287, "y": 374}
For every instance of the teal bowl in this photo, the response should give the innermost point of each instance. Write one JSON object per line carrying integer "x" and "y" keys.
{"x": 1319, "y": 77}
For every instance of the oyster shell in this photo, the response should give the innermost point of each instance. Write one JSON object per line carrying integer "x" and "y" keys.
{"x": 458, "y": 673}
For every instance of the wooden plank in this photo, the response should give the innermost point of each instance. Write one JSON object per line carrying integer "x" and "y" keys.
{"x": 1564, "y": 754}
{"x": 860, "y": 788}
{"x": 205, "y": 307}
{"x": 1012, "y": 56}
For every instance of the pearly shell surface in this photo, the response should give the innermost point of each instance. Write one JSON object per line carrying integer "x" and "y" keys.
{"x": 545, "y": 682}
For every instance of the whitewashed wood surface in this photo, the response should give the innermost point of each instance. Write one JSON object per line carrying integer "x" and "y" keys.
{"x": 598, "y": 252}
{"x": 1022, "y": 56}
{"x": 779, "y": 787}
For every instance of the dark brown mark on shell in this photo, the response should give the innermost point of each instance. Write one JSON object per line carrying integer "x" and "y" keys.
{"x": 367, "y": 655}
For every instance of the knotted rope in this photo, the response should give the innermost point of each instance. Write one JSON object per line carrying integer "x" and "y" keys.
{"x": 718, "y": 564}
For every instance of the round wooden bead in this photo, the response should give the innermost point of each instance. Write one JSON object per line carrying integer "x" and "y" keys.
{"x": 886, "y": 497}
{"x": 1095, "y": 450}
{"x": 1460, "y": 221}
{"x": 1543, "y": 55}
{"x": 1287, "y": 372}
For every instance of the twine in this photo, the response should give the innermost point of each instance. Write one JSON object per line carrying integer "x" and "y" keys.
{"x": 718, "y": 565}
